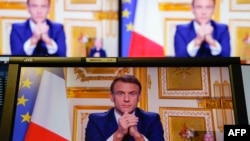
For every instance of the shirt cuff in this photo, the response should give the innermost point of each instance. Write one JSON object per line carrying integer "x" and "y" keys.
{"x": 52, "y": 49}
{"x": 27, "y": 48}
{"x": 191, "y": 49}
{"x": 30, "y": 49}
{"x": 216, "y": 50}
{"x": 110, "y": 138}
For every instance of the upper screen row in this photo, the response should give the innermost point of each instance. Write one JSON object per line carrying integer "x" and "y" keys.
{"x": 126, "y": 28}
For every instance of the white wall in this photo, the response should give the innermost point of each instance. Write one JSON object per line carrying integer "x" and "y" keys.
{"x": 246, "y": 83}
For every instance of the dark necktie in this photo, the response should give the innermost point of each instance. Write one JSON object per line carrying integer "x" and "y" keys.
{"x": 40, "y": 49}
{"x": 204, "y": 50}
{"x": 126, "y": 137}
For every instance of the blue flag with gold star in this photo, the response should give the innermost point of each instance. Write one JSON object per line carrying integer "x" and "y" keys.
{"x": 142, "y": 29}
{"x": 28, "y": 88}
{"x": 128, "y": 15}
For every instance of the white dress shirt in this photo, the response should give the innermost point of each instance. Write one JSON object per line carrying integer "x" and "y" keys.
{"x": 193, "y": 50}
{"x": 28, "y": 49}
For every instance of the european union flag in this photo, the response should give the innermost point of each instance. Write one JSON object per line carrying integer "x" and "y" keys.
{"x": 28, "y": 87}
{"x": 128, "y": 15}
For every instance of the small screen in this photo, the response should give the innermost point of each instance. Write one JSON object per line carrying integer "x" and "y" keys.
{"x": 156, "y": 32}
{"x": 76, "y": 28}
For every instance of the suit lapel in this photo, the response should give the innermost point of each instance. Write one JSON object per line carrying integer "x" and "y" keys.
{"x": 141, "y": 125}
{"x": 215, "y": 29}
{"x": 26, "y": 33}
{"x": 112, "y": 124}
{"x": 191, "y": 33}
{"x": 188, "y": 32}
{"x": 49, "y": 23}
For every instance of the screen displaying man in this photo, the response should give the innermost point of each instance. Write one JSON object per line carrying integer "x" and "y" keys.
{"x": 97, "y": 50}
{"x": 202, "y": 37}
{"x": 125, "y": 121}
{"x": 38, "y": 36}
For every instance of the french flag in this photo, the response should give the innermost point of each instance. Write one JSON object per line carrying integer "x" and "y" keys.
{"x": 50, "y": 118}
{"x": 146, "y": 37}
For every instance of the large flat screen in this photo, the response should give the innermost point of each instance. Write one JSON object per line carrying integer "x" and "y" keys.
{"x": 58, "y": 94}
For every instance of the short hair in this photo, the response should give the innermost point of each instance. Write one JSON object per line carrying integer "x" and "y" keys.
{"x": 194, "y": 0}
{"x": 29, "y": 1}
{"x": 127, "y": 79}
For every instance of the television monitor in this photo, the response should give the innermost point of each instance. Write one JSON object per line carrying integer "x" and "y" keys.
{"x": 144, "y": 32}
{"x": 83, "y": 21}
{"x": 57, "y": 94}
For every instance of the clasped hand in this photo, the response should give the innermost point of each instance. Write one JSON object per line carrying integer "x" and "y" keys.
{"x": 127, "y": 124}
{"x": 205, "y": 34}
{"x": 41, "y": 32}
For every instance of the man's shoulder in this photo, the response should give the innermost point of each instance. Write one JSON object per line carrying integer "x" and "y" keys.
{"x": 148, "y": 118}
{"x": 184, "y": 26}
{"x": 219, "y": 25}
{"x": 100, "y": 115}
{"x": 93, "y": 49}
{"x": 20, "y": 24}
{"x": 147, "y": 114}
{"x": 54, "y": 24}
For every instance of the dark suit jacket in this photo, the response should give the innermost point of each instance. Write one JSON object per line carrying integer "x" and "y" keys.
{"x": 186, "y": 33}
{"x": 102, "y": 125}
{"x": 21, "y": 32}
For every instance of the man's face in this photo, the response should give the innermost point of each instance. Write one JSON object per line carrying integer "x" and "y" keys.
{"x": 203, "y": 10}
{"x": 125, "y": 97}
{"x": 38, "y": 10}
{"x": 98, "y": 44}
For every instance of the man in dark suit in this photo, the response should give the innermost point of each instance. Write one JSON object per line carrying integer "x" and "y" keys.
{"x": 97, "y": 50}
{"x": 38, "y": 36}
{"x": 202, "y": 37}
{"x": 125, "y": 121}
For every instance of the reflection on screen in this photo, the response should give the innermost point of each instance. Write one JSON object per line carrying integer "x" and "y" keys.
{"x": 57, "y": 101}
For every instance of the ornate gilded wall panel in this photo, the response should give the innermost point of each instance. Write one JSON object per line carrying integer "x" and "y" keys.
{"x": 183, "y": 82}
{"x": 178, "y": 121}
{"x": 240, "y": 5}
{"x": 5, "y": 29}
{"x": 92, "y": 82}
{"x": 240, "y": 31}
{"x": 80, "y": 118}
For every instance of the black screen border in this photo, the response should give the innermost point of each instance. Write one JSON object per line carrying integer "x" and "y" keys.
{"x": 4, "y": 68}
{"x": 15, "y": 64}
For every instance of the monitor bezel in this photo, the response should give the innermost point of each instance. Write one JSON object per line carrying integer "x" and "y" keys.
{"x": 16, "y": 63}
{"x": 4, "y": 68}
